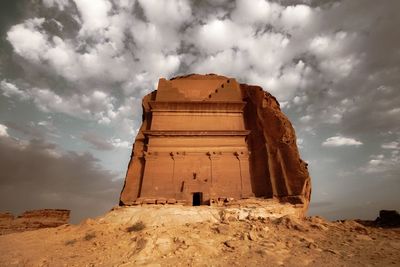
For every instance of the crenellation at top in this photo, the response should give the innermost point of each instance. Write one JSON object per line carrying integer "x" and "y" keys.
{"x": 195, "y": 88}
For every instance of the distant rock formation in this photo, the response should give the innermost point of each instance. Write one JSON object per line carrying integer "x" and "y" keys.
{"x": 206, "y": 139}
{"x": 32, "y": 220}
{"x": 388, "y": 218}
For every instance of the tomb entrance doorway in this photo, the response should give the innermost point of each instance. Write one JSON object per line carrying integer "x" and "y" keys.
{"x": 197, "y": 198}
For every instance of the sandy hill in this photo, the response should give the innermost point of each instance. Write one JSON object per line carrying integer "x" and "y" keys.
{"x": 249, "y": 235}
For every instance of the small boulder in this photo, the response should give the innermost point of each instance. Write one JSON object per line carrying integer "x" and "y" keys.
{"x": 388, "y": 218}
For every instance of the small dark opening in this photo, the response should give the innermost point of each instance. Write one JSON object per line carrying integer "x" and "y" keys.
{"x": 197, "y": 198}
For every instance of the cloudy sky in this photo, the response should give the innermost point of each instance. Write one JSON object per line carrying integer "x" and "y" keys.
{"x": 73, "y": 72}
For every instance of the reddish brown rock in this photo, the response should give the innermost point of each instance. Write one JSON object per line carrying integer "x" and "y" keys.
{"x": 32, "y": 220}
{"x": 206, "y": 138}
{"x": 6, "y": 216}
{"x": 273, "y": 141}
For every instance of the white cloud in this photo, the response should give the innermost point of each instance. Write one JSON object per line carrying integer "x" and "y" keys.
{"x": 310, "y": 130}
{"x": 321, "y": 45}
{"x": 97, "y": 105}
{"x": 300, "y": 100}
{"x": 94, "y": 105}
{"x": 284, "y": 104}
{"x": 377, "y": 160}
{"x": 244, "y": 55}
{"x": 330, "y": 44}
{"x": 227, "y": 62}
{"x": 332, "y": 115}
{"x": 62, "y": 58}
{"x": 385, "y": 89}
{"x": 10, "y": 89}
{"x": 94, "y": 14}
{"x": 58, "y": 54}
{"x": 256, "y": 11}
{"x": 336, "y": 141}
{"x": 101, "y": 143}
{"x": 103, "y": 59}
{"x": 118, "y": 143}
{"x": 227, "y": 46}
{"x": 3, "y": 130}
{"x": 266, "y": 60}
{"x": 167, "y": 12}
{"x": 391, "y": 145}
{"x": 217, "y": 36}
{"x": 288, "y": 81}
{"x": 124, "y": 4}
{"x": 296, "y": 16}
{"x": 300, "y": 142}
{"x": 29, "y": 30}
{"x": 163, "y": 64}
{"x": 332, "y": 50}
{"x": 383, "y": 164}
{"x": 61, "y": 4}
{"x": 306, "y": 118}
{"x": 394, "y": 111}
{"x": 339, "y": 67}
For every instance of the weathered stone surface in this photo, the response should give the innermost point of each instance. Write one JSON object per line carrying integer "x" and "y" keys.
{"x": 6, "y": 216}
{"x": 32, "y": 220}
{"x": 156, "y": 215}
{"x": 272, "y": 140}
{"x": 206, "y": 139}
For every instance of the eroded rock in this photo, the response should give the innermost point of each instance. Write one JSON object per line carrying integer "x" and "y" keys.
{"x": 32, "y": 220}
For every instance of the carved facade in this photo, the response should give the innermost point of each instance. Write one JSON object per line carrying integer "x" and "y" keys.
{"x": 201, "y": 141}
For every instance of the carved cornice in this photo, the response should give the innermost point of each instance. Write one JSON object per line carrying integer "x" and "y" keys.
{"x": 196, "y": 133}
{"x": 198, "y": 106}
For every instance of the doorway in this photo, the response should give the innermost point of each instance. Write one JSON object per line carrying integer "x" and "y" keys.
{"x": 197, "y": 198}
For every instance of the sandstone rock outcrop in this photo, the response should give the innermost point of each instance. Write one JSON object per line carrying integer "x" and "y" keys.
{"x": 272, "y": 140}
{"x": 206, "y": 139}
{"x": 32, "y": 220}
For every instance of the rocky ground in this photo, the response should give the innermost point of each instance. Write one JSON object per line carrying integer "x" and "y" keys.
{"x": 203, "y": 236}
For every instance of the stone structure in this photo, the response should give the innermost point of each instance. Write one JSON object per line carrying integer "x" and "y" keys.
{"x": 33, "y": 220}
{"x": 205, "y": 138}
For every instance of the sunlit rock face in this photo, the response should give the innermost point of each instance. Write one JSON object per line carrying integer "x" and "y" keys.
{"x": 206, "y": 139}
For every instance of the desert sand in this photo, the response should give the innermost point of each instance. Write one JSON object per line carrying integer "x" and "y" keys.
{"x": 176, "y": 235}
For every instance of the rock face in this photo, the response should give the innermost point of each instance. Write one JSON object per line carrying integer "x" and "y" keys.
{"x": 206, "y": 139}
{"x": 32, "y": 220}
{"x": 275, "y": 157}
